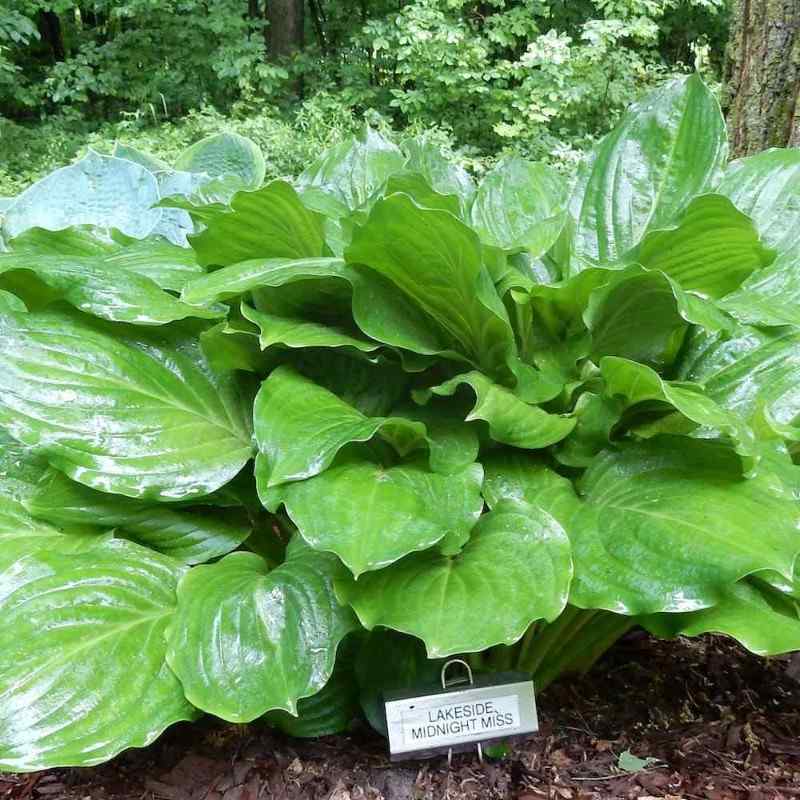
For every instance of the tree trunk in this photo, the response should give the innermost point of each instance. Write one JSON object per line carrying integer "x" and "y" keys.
{"x": 50, "y": 31}
{"x": 763, "y": 76}
{"x": 286, "y": 28}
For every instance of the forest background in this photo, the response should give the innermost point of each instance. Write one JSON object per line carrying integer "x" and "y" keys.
{"x": 542, "y": 78}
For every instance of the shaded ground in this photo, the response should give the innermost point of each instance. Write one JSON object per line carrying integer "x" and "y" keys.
{"x": 723, "y": 723}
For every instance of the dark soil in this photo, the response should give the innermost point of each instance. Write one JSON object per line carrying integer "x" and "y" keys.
{"x": 723, "y": 724}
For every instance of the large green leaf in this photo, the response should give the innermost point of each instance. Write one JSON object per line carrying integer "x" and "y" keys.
{"x": 766, "y": 187}
{"x": 119, "y": 410}
{"x": 371, "y": 515}
{"x": 82, "y": 656}
{"x": 666, "y": 525}
{"x": 770, "y": 296}
{"x": 97, "y": 190}
{"x": 191, "y": 537}
{"x": 296, "y": 332}
{"x": 526, "y": 478}
{"x": 511, "y": 420}
{"x": 354, "y": 169}
{"x": 670, "y": 524}
{"x": 520, "y": 205}
{"x": 20, "y": 471}
{"x": 375, "y": 389}
{"x": 515, "y": 569}
{"x": 107, "y": 289}
{"x": 20, "y": 533}
{"x": 435, "y": 260}
{"x": 247, "y": 640}
{"x": 237, "y": 279}
{"x": 763, "y": 620}
{"x": 390, "y": 660}
{"x": 749, "y": 372}
{"x": 597, "y": 416}
{"x": 644, "y": 316}
{"x": 334, "y": 708}
{"x": 225, "y": 154}
{"x": 668, "y": 148}
{"x": 301, "y": 426}
{"x": 421, "y": 192}
{"x": 379, "y": 308}
{"x": 636, "y": 383}
{"x": 711, "y": 248}
{"x": 166, "y": 264}
{"x": 269, "y": 222}
{"x": 445, "y": 176}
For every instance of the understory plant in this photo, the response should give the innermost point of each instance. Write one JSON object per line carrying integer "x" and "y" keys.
{"x": 271, "y": 449}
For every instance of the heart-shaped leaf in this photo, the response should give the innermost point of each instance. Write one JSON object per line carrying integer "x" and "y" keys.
{"x": 247, "y": 640}
{"x": 514, "y": 569}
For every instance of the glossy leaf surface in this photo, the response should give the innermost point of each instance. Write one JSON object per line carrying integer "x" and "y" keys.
{"x": 435, "y": 261}
{"x": 711, "y": 249}
{"x": 269, "y": 222}
{"x": 247, "y": 640}
{"x": 371, "y": 515}
{"x": 514, "y": 569}
{"x": 670, "y": 147}
{"x": 520, "y": 205}
{"x": 72, "y": 627}
{"x": 190, "y": 537}
{"x": 766, "y": 187}
{"x": 142, "y": 416}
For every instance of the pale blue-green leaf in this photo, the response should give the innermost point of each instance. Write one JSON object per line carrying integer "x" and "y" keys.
{"x": 97, "y": 190}
{"x": 225, "y": 154}
{"x": 520, "y": 205}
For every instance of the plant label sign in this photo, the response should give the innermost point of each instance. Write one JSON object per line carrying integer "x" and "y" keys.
{"x": 494, "y": 707}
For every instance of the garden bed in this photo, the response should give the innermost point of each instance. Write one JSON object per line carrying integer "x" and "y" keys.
{"x": 722, "y": 722}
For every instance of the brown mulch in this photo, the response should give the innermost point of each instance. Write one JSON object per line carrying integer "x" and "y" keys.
{"x": 721, "y": 722}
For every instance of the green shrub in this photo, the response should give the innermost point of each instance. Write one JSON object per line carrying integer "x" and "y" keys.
{"x": 380, "y": 415}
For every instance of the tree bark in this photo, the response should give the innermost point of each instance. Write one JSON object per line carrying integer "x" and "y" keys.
{"x": 286, "y": 27}
{"x": 763, "y": 76}
{"x": 50, "y": 30}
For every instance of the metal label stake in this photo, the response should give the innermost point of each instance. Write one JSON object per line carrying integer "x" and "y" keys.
{"x": 445, "y": 685}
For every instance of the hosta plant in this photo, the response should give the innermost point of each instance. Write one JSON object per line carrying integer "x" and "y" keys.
{"x": 268, "y": 450}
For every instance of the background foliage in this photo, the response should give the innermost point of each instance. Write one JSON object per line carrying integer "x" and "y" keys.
{"x": 541, "y": 77}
